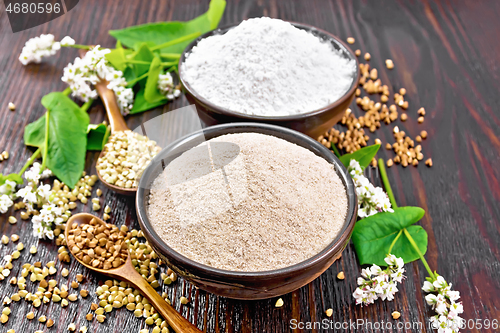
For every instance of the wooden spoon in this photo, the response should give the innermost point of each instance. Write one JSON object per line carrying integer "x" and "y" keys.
{"x": 127, "y": 273}
{"x": 117, "y": 124}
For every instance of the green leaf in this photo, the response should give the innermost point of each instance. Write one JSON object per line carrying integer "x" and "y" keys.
{"x": 140, "y": 103}
{"x": 142, "y": 54}
{"x": 13, "y": 177}
{"x": 161, "y": 32}
{"x": 97, "y": 136}
{"x": 34, "y": 133}
{"x": 373, "y": 236}
{"x": 129, "y": 74}
{"x": 364, "y": 156}
{"x": 117, "y": 58}
{"x": 151, "y": 93}
{"x": 67, "y": 142}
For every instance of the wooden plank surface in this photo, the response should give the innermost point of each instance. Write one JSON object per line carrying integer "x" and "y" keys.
{"x": 446, "y": 55}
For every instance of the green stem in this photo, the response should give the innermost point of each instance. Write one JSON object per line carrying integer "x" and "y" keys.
{"x": 29, "y": 162}
{"x": 78, "y": 46}
{"x": 387, "y": 185}
{"x": 168, "y": 64}
{"x": 170, "y": 55}
{"x": 394, "y": 241}
{"x": 67, "y": 91}
{"x": 86, "y": 105}
{"x": 138, "y": 62}
{"x": 335, "y": 150}
{"x": 46, "y": 144}
{"x": 412, "y": 242}
{"x": 176, "y": 41}
{"x": 137, "y": 79}
{"x": 388, "y": 190}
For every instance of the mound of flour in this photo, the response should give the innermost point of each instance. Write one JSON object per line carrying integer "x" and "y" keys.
{"x": 268, "y": 67}
{"x": 248, "y": 202}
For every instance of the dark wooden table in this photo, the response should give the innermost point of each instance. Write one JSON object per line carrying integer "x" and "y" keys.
{"x": 446, "y": 55}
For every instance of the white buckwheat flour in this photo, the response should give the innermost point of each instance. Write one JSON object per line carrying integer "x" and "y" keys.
{"x": 251, "y": 202}
{"x": 268, "y": 67}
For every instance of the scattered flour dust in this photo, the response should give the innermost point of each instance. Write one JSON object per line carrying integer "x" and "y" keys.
{"x": 268, "y": 67}
{"x": 248, "y": 202}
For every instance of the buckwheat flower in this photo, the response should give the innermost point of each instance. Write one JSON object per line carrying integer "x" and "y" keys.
{"x": 428, "y": 287}
{"x": 166, "y": 86}
{"x": 38, "y": 229}
{"x": 85, "y": 72}
{"x": 37, "y": 48}
{"x": 388, "y": 293}
{"x": 124, "y": 97}
{"x": 443, "y": 300}
{"x": 41, "y": 229}
{"x": 453, "y": 295}
{"x": 376, "y": 270}
{"x": 66, "y": 41}
{"x": 376, "y": 282}
{"x": 371, "y": 199}
{"x": 5, "y": 203}
{"x": 34, "y": 174}
{"x": 439, "y": 283}
{"x": 35, "y": 193}
{"x": 39, "y": 196}
{"x": 44, "y": 192}
{"x": 7, "y": 195}
{"x": 28, "y": 194}
{"x": 398, "y": 275}
{"x": 49, "y": 215}
{"x": 366, "y": 273}
{"x": 365, "y": 296}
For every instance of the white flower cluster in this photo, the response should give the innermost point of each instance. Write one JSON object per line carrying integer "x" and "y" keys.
{"x": 166, "y": 86}
{"x": 42, "y": 223}
{"x": 37, "y": 194}
{"x": 44, "y": 46}
{"x": 7, "y": 195}
{"x": 444, "y": 301}
{"x": 371, "y": 199}
{"x": 376, "y": 283}
{"x": 87, "y": 71}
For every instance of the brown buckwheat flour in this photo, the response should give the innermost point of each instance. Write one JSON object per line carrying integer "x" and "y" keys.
{"x": 250, "y": 202}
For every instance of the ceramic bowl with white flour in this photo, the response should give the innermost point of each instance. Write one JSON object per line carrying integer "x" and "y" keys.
{"x": 269, "y": 70}
{"x": 246, "y": 210}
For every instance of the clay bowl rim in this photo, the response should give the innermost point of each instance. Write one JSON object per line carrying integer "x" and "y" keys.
{"x": 298, "y": 117}
{"x": 191, "y": 266}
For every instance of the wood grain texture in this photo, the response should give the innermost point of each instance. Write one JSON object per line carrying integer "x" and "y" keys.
{"x": 446, "y": 56}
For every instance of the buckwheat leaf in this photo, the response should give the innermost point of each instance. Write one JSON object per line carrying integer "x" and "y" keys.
{"x": 162, "y": 32}
{"x": 34, "y": 133}
{"x": 373, "y": 236}
{"x": 364, "y": 156}
{"x": 97, "y": 136}
{"x": 151, "y": 93}
{"x": 13, "y": 177}
{"x": 67, "y": 137}
{"x": 117, "y": 58}
{"x": 140, "y": 103}
{"x": 142, "y": 54}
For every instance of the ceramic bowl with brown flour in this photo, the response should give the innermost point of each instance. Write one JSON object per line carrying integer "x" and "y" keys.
{"x": 247, "y": 210}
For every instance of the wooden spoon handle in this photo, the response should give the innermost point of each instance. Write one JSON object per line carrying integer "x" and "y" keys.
{"x": 177, "y": 322}
{"x": 108, "y": 97}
